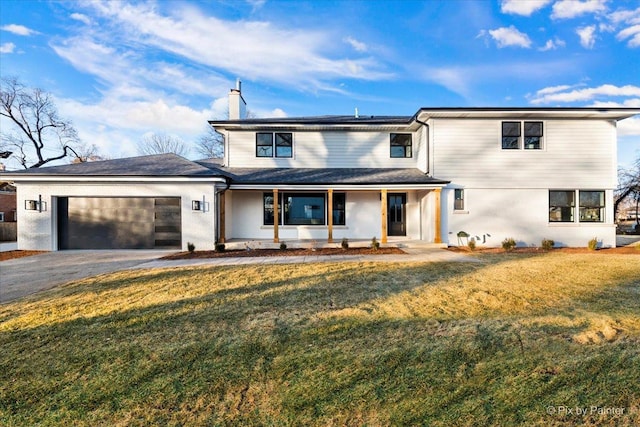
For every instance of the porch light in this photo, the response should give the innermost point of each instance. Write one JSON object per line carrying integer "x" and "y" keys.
{"x": 35, "y": 205}
{"x": 196, "y": 205}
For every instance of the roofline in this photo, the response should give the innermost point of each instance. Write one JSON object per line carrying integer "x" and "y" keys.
{"x": 111, "y": 178}
{"x": 613, "y": 113}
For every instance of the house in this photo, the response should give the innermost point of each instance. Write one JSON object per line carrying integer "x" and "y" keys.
{"x": 486, "y": 173}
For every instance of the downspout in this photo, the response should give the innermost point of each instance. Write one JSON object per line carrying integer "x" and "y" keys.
{"x": 427, "y": 148}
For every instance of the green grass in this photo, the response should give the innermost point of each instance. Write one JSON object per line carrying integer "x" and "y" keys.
{"x": 491, "y": 343}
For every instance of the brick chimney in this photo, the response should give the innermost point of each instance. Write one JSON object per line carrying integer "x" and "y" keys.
{"x": 237, "y": 104}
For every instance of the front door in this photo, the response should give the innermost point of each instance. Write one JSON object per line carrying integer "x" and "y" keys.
{"x": 396, "y": 216}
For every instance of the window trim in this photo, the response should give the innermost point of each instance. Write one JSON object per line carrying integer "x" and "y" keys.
{"x": 577, "y": 207}
{"x": 274, "y": 145}
{"x": 281, "y": 211}
{"x": 410, "y": 146}
{"x": 522, "y": 136}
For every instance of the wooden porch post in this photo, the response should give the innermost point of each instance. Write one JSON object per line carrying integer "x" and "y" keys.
{"x": 383, "y": 212}
{"x": 276, "y": 216}
{"x": 222, "y": 218}
{"x": 330, "y": 214}
{"x": 438, "y": 225}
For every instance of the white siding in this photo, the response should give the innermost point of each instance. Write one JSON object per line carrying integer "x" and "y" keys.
{"x": 495, "y": 214}
{"x": 575, "y": 154}
{"x": 38, "y": 230}
{"x": 322, "y": 150}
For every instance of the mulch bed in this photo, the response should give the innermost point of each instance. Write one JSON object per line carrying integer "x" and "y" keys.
{"x": 536, "y": 250}
{"x": 284, "y": 252}
{"x": 4, "y": 256}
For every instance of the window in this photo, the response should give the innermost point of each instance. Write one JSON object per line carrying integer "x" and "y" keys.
{"x": 284, "y": 145}
{"x": 511, "y": 135}
{"x": 1, "y": 216}
{"x": 265, "y": 144}
{"x": 591, "y": 206}
{"x": 339, "y": 209}
{"x": 458, "y": 199}
{"x": 401, "y": 145}
{"x": 303, "y": 209}
{"x": 561, "y": 206}
{"x": 268, "y": 208}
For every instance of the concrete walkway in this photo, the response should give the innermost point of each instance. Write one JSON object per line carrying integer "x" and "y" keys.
{"x": 28, "y": 275}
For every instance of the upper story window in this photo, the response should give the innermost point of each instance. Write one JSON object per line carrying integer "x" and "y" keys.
{"x": 513, "y": 138}
{"x": 401, "y": 145}
{"x": 268, "y": 143}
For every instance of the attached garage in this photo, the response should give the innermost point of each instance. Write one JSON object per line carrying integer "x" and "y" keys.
{"x": 119, "y": 222}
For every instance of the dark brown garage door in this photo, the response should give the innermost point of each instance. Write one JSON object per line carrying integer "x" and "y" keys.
{"x": 119, "y": 222}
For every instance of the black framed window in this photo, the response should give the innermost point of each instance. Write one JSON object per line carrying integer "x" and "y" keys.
{"x": 284, "y": 145}
{"x": 458, "y": 199}
{"x": 592, "y": 206}
{"x": 268, "y": 210}
{"x": 304, "y": 208}
{"x": 264, "y": 145}
{"x": 339, "y": 209}
{"x": 510, "y": 135}
{"x": 401, "y": 145}
{"x": 562, "y": 204}
{"x": 269, "y": 144}
{"x": 532, "y": 135}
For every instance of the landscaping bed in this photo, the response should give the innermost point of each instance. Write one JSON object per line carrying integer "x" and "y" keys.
{"x": 4, "y": 256}
{"x": 529, "y": 250}
{"x": 283, "y": 252}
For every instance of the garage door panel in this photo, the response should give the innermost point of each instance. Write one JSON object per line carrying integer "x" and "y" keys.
{"x": 119, "y": 222}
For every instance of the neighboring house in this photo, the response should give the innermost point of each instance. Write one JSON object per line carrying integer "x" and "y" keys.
{"x": 7, "y": 202}
{"x": 493, "y": 173}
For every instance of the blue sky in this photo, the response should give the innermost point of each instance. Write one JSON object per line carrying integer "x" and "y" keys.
{"x": 122, "y": 70}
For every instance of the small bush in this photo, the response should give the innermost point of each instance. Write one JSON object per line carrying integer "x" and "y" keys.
{"x": 375, "y": 245}
{"x": 547, "y": 244}
{"x": 472, "y": 244}
{"x": 345, "y": 243}
{"x": 593, "y": 244}
{"x": 283, "y": 246}
{"x": 191, "y": 247}
{"x": 220, "y": 247}
{"x": 508, "y": 244}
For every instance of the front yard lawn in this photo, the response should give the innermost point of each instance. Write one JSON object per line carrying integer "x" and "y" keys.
{"x": 515, "y": 339}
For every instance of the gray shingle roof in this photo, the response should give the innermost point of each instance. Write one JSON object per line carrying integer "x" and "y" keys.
{"x": 154, "y": 165}
{"x": 323, "y": 120}
{"x": 355, "y": 176}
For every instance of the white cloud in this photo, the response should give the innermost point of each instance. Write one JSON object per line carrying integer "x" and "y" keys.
{"x": 81, "y": 17}
{"x": 523, "y": 7}
{"x": 552, "y": 45}
{"x": 7, "y": 47}
{"x": 20, "y": 30}
{"x": 510, "y": 37}
{"x": 563, "y": 94}
{"x": 357, "y": 45}
{"x": 566, "y": 9}
{"x": 587, "y": 36}
{"x": 255, "y": 50}
{"x": 632, "y": 33}
{"x": 623, "y": 15}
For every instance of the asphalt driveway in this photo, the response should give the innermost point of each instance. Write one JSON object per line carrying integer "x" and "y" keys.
{"x": 28, "y": 275}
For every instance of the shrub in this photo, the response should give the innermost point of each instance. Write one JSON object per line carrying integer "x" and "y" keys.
{"x": 345, "y": 243}
{"x": 375, "y": 245}
{"x": 547, "y": 244}
{"x": 472, "y": 244}
{"x": 191, "y": 247}
{"x": 508, "y": 244}
{"x": 593, "y": 244}
{"x": 283, "y": 246}
{"x": 220, "y": 247}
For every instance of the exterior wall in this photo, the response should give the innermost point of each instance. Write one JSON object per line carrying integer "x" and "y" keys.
{"x": 575, "y": 154}
{"x": 495, "y": 214}
{"x": 38, "y": 230}
{"x": 362, "y": 218}
{"x": 329, "y": 149}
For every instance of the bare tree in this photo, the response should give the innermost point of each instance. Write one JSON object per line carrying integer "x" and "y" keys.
{"x": 628, "y": 189}
{"x": 36, "y": 126}
{"x": 87, "y": 153}
{"x": 210, "y": 144}
{"x": 162, "y": 144}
